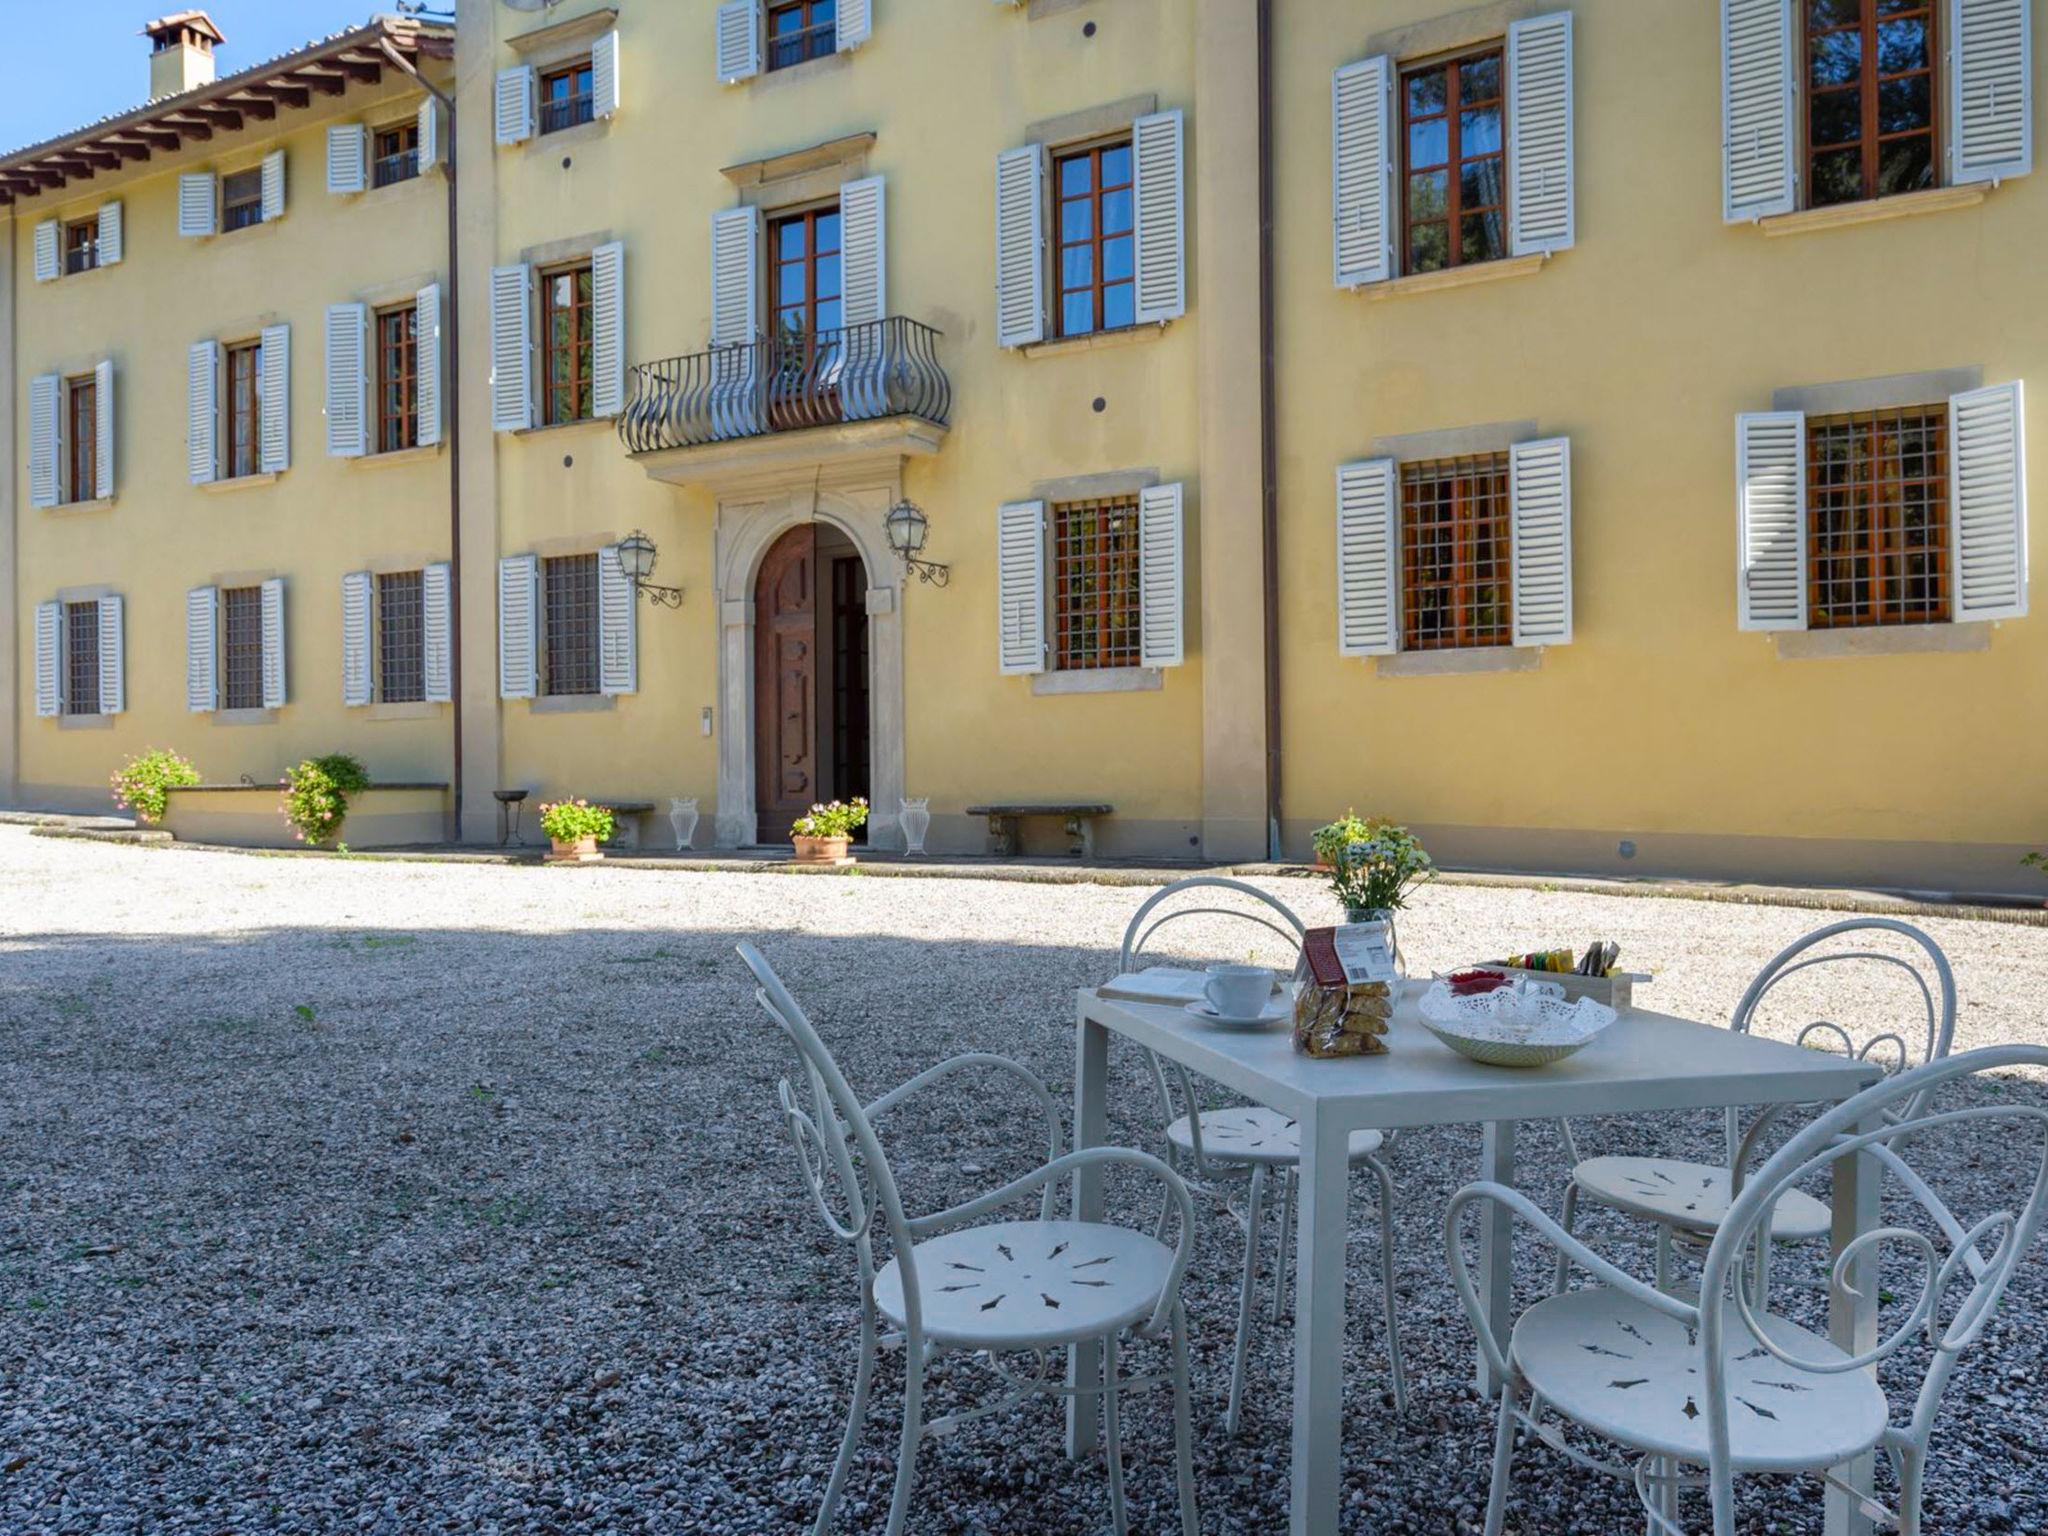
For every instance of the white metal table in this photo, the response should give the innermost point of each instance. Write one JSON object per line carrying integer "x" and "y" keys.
{"x": 1645, "y": 1062}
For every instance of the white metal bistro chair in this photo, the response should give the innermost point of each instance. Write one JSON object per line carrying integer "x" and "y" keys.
{"x": 1720, "y": 1386}
{"x": 998, "y": 1289}
{"x": 1687, "y": 1201}
{"x": 1203, "y": 1142}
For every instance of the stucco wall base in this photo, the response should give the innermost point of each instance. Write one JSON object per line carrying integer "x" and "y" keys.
{"x": 1116, "y": 837}
{"x": 1983, "y": 869}
{"x": 243, "y": 817}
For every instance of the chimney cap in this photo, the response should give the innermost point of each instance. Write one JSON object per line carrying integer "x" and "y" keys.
{"x": 193, "y": 21}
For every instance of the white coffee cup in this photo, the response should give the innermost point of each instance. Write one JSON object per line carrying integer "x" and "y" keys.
{"x": 1238, "y": 991}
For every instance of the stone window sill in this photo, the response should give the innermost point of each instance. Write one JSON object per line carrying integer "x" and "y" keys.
{"x": 398, "y": 456}
{"x": 97, "y": 504}
{"x": 572, "y": 703}
{"x": 413, "y": 711}
{"x": 1098, "y": 680}
{"x": 245, "y": 717}
{"x": 1478, "y": 658}
{"x": 581, "y": 424}
{"x": 85, "y": 722}
{"x": 1456, "y": 277}
{"x": 1122, "y": 336}
{"x": 395, "y": 191}
{"x": 241, "y": 482}
{"x": 1882, "y": 640}
{"x": 1875, "y": 210}
{"x": 570, "y": 137}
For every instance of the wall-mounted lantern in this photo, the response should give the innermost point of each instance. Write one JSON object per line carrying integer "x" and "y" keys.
{"x": 637, "y": 555}
{"x": 906, "y": 526}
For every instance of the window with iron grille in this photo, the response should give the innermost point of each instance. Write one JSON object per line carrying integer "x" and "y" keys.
{"x": 81, "y": 448}
{"x": 398, "y": 420}
{"x": 241, "y": 199}
{"x": 1870, "y": 99}
{"x": 81, "y": 658}
{"x": 567, "y": 97}
{"x": 1454, "y": 553}
{"x": 242, "y": 380}
{"x": 1877, "y": 533}
{"x": 82, "y": 245}
{"x": 401, "y": 638}
{"x": 395, "y": 154}
{"x": 569, "y": 590}
{"x": 1095, "y": 584}
{"x": 800, "y": 30}
{"x": 1097, "y": 242}
{"x": 1453, "y": 162}
{"x": 241, "y": 647}
{"x": 565, "y": 331}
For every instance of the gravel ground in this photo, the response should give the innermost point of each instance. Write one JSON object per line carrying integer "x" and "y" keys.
{"x": 364, "y": 1196}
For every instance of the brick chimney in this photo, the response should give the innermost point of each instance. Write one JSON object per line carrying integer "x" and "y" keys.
{"x": 181, "y": 52}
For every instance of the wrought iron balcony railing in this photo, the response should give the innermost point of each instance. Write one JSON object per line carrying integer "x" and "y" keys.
{"x": 865, "y": 372}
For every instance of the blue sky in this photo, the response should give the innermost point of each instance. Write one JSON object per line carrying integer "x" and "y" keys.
{"x": 106, "y": 60}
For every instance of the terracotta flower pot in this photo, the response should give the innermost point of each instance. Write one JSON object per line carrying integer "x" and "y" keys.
{"x": 822, "y": 850}
{"x": 582, "y": 851}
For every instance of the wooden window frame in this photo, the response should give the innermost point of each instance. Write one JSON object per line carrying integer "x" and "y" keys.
{"x": 813, "y": 39}
{"x": 395, "y": 153}
{"x": 81, "y": 658}
{"x": 1870, "y": 141}
{"x": 571, "y": 640}
{"x": 1097, "y": 597}
{"x": 1454, "y": 163}
{"x": 1468, "y": 552}
{"x": 573, "y": 109}
{"x": 396, "y": 337}
{"x": 1877, "y": 593}
{"x": 244, "y": 212}
{"x": 80, "y": 469}
{"x": 241, "y": 419}
{"x": 813, "y": 252}
{"x": 580, "y": 311}
{"x": 1098, "y": 285}
{"x": 81, "y": 246}
{"x": 399, "y": 600}
{"x": 241, "y": 647}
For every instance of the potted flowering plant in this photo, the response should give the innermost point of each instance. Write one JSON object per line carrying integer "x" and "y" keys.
{"x": 1331, "y": 841}
{"x": 1374, "y": 876}
{"x": 821, "y": 836}
{"x": 575, "y": 828}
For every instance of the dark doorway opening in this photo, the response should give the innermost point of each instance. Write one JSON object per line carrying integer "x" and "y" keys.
{"x": 811, "y": 704}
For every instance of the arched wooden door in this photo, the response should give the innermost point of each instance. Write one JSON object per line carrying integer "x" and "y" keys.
{"x": 786, "y": 782}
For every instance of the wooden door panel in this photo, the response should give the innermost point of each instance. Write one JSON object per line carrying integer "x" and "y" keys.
{"x": 785, "y": 684}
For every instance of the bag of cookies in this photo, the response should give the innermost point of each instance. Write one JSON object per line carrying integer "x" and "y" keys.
{"x": 1340, "y": 1010}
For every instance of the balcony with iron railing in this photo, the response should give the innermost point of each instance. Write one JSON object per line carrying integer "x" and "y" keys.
{"x": 798, "y": 395}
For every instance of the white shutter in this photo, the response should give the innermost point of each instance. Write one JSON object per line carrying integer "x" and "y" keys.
{"x": 863, "y": 251}
{"x": 110, "y": 242}
{"x": 1539, "y": 84}
{"x": 1161, "y": 579}
{"x": 49, "y": 659}
{"x": 514, "y": 104}
{"x": 1368, "y": 555}
{"x": 348, "y": 159}
{"x": 1020, "y": 586}
{"x": 202, "y": 407}
{"x": 273, "y": 185}
{"x": 739, "y": 41}
{"x": 518, "y": 627}
{"x": 113, "y": 658}
{"x": 604, "y": 75}
{"x": 1362, "y": 171}
{"x": 608, "y": 329}
{"x": 735, "y": 266}
{"x": 430, "y": 115}
{"x": 202, "y": 634}
{"x": 103, "y": 428}
{"x": 356, "y": 689}
{"x": 436, "y": 634}
{"x": 1770, "y": 519}
{"x": 198, "y": 212}
{"x": 45, "y": 413}
{"x": 1540, "y": 540}
{"x": 1988, "y": 501}
{"x": 1161, "y": 235}
{"x": 273, "y": 643}
{"x": 47, "y": 267}
{"x": 618, "y": 669}
{"x": 277, "y": 400}
{"x": 855, "y": 21}
{"x": 1020, "y": 246}
{"x": 1991, "y": 91}
{"x": 511, "y": 348}
{"x": 427, "y": 328}
{"x": 1759, "y": 90}
{"x": 348, "y": 380}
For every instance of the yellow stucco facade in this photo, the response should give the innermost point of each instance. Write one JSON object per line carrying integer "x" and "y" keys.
{"x": 1660, "y": 738}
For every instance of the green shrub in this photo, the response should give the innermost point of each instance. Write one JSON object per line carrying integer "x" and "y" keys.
{"x": 568, "y": 820}
{"x": 141, "y": 782}
{"x": 316, "y": 795}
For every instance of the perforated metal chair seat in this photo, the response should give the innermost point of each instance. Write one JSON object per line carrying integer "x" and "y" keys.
{"x": 1690, "y": 1195}
{"x": 1252, "y": 1133}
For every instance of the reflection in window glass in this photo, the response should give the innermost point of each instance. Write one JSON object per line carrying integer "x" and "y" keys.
{"x": 1454, "y": 197}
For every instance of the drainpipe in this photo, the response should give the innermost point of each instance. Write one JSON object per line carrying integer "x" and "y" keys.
{"x": 1269, "y": 471}
{"x": 451, "y": 429}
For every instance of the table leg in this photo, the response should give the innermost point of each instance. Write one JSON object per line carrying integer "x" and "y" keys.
{"x": 1496, "y": 1243}
{"x": 1852, "y": 1319}
{"x": 1091, "y": 1129}
{"x": 1319, "y": 1316}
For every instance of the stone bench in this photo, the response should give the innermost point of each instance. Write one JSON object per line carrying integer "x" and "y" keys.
{"x": 626, "y": 816}
{"x": 1003, "y": 830}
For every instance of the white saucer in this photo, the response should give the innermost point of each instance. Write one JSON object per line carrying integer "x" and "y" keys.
{"x": 1273, "y": 1013}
